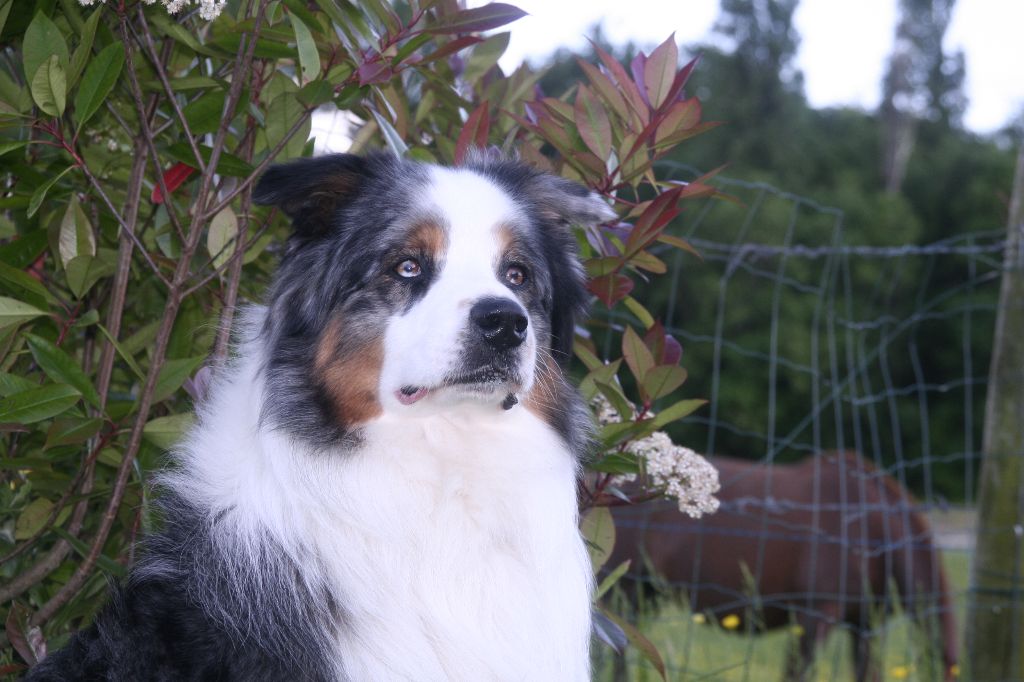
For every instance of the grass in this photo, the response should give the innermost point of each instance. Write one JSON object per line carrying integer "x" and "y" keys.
{"x": 695, "y": 650}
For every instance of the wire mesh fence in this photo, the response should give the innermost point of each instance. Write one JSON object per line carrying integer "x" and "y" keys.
{"x": 869, "y": 363}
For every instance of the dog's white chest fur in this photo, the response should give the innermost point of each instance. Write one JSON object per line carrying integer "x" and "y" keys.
{"x": 449, "y": 541}
{"x": 475, "y": 569}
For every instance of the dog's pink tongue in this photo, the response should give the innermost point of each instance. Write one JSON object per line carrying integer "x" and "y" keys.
{"x": 410, "y": 394}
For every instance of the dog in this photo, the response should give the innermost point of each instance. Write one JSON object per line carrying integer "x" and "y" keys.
{"x": 382, "y": 482}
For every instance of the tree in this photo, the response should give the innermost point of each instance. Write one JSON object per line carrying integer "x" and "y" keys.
{"x": 922, "y": 83}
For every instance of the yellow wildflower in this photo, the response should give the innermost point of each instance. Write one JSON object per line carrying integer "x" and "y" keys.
{"x": 731, "y": 622}
{"x": 900, "y": 672}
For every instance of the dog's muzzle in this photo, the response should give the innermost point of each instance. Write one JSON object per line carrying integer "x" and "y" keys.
{"x": 500, "y": 322}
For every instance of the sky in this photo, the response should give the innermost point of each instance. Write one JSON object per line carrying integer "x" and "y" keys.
{"x": 843, "y": 50}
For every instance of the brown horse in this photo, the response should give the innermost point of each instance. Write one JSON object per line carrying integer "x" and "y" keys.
{"x": 815, "y": 544}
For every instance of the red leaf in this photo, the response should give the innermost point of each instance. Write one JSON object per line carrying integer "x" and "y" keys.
{"x": 373, "y": 72}
{"x": 638, "y": 67}
{"x": 474, "y": 132}
{"x": 681, "y": 116}
{"x": 610, "y": 289}
{"x": 605, "y": 88}
{"x": 173, "y": 179}
{"x": 454, "y": 46}
{"x": 592, "y": 123}
{"x": 679, "y": 82}
{"x": 479, "y": 19}
{"x": 660, "y": 72}
{"x": 664, "y": 347}
{"x": 655, "y": 217}
{"x": 626, "y": 84}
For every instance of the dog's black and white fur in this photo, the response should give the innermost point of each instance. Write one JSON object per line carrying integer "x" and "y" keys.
{"x": 382, "y": 485}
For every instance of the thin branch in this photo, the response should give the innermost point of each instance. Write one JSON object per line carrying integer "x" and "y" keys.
{"x": 161, "y": 72}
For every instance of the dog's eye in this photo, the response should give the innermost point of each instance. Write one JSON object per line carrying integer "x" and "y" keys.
{"x": 515, "y": 275}
{"x": 409, "y": 268}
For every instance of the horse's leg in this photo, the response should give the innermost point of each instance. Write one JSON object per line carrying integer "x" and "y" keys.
{"x": 866, "y": 669}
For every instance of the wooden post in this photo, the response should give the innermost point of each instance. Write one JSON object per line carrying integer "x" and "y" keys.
{"x": 995, "y": 627}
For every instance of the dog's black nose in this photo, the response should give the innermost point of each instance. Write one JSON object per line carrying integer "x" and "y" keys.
{"x": 501, "y": 321}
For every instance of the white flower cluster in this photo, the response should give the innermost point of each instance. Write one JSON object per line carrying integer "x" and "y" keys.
{"x": 208, "y": 9}
{"x": 681, "y": 472}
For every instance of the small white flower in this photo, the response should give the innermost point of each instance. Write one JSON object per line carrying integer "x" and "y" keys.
{"x": 208, "y": 9}
{"x": 680, "y": 472}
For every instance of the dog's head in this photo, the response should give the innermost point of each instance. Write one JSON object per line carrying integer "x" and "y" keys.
{"x": 412, "y": 288}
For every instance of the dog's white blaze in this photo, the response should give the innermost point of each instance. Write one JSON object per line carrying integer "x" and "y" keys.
{"x": 449, "y": 538}
{"x": 423, "y": 345}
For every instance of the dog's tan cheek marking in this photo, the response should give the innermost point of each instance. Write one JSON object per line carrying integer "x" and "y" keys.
{"x": 545, "y": 394}
{"x": 350, "y": 376}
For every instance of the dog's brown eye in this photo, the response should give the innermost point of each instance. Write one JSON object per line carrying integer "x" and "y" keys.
{"x": 515, "y": 275}
{"x": 409, "y": 268}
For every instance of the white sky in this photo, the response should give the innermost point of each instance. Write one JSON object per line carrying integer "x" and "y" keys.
{"x": 844, "y": 43}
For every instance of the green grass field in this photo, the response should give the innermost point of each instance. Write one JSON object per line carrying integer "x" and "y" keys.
{"x": 695, "y": 650}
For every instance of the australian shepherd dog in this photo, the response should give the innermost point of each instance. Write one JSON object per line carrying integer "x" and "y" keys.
{"x": 381, "y": 485}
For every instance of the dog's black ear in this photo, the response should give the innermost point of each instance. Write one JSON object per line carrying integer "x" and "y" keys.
{"x": 310, "y": 191}
{"x": 564, "y": 204}
{"x": 571, "y": 203}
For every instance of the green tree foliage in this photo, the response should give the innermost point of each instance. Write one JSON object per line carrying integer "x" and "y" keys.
{"x": 955, "y": 184}
{"x": 130, "y": 142}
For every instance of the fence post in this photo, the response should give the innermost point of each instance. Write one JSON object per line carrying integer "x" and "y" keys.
{"x": 995, "y": 628}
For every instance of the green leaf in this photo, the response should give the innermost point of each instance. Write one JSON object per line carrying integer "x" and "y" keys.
{"x": 12, "y": 383}
{"x": 617, "y": 463}
{"x": 598, "y": 529}
{"x": 282, "y": 114}
{"x": 98, "y": 81}
{"x": 228, "y": 164}
{"x": 71, "y": 430}
{"x": 106, "y": 563}
{"x": 309, "y": 58}
{"x": 220, "y": 240}
{"x": 11, "y": 146}
{"x": 84, "y": 271}
{"x": 660, "y": 71}
{"x": 484, "y": 56}
{"x": 173, "y": 375}
{"x": 23, "y": 251}
{"x": 639, "y": 311}
{"x": 50, "y": 87}
{"x": 37, "y": 404}
{"x": 14, "y": 312}
{"x": 125, "y": 355}
{"x": 84, "y": 50}
{"x": 5, "y": 9}
{"x": 32, "y": 518}
{"x": 76, "y": 237}
{"x": 642, "y": 644}
{"x": 677, "y": 411}
{"x": 61, "y": 367}
{"x": 37, "y": 197}
{"x": 316, "y": 93}
{"x": 638, "y": 356}
{"x": 204, "y": 114}
{"x": 592, "y": 123}
{"x": 24, "y": 287}
{"x": 394, "y": 141}
{"x": 662, "y": 380}
{"x": 42, "y": 40}
{"x": 612, "y": 578}
{"x": 165, "y": 432}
